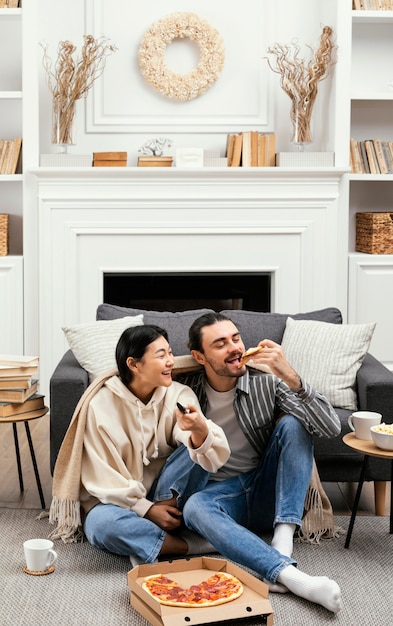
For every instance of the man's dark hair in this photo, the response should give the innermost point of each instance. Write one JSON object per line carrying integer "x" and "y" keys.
{"x": 195, "y": 332}
{"x": 134, "y": 342}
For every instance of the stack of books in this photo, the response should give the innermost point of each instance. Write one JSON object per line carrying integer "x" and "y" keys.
{"x": 251, "y": 149}
{"x": 371, "y": 156}
{"x": 9, "y": 4}
{"x": 109, "y": 159}
{"x": 19, "y": 385}
{"x": 372, "y": 5}
{"x": 9, "y": 155}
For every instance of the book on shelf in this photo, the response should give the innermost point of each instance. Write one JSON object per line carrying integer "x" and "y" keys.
{"x": 254, "y": 148}
{"x": 10, "y": 153}
{"x": 353, "y": 156}
{"x": 383, "y": 167}
{"x": 388, "y": 156}
{"x": 16, "y": 382}
{"x": 9, "y": 409}
{"x": 4, "y": 147}
{"x": 270, "y": 149}
{"x": 20, "y": 395}
{"x": 246, "y": 149}
{"x": 229, "y": 150}
{"x": 237, "y": 151}
{"x": 371, "y": 156}
{"x": 109, "y": 159}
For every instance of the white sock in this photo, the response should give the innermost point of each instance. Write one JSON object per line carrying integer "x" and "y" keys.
{"x": 196, "y": 543}
{"x": 283, "y": 538}
{"x": 319, "y": 589}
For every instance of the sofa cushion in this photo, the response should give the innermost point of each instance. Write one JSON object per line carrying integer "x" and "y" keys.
{"x": 328, "y": 356}
{"x": 94, "y": 343}
{"x": 257, "y": 326}
{"x": 176, "y": 324}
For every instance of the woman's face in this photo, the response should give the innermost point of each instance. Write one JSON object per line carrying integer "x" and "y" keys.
{"x": 155, "y": 367}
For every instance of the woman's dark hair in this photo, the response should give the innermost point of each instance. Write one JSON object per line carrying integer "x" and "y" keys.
{"x": 133, "y": 342}
{"x": 195, "y": 332}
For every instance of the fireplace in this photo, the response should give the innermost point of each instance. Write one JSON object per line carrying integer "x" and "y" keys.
{"x": 265, "y": 239}
{"x": 172, "y": 291}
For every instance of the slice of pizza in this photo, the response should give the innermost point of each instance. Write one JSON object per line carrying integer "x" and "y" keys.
{"x": 219, "y": 588}
{"x": 248, "y": 354}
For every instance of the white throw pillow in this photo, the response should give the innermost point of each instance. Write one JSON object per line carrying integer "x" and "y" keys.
{"x": 94, "y": 343}
{"x": 328, "y": 356}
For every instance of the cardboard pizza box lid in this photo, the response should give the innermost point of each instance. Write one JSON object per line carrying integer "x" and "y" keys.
{"x": 253, "y": 603}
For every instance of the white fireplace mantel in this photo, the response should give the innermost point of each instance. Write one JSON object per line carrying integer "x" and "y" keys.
{"x": 91, "y": 221}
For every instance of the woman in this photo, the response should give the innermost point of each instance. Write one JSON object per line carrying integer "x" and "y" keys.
{"x": 141, "y": 457}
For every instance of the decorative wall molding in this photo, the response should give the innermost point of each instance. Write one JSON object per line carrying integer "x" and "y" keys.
{"x": 122, "y": 102}
{"x": 11, "y": 310}
{"x": 370, "y": 281}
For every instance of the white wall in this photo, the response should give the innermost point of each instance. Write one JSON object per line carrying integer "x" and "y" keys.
{"x": 122, "y": 110}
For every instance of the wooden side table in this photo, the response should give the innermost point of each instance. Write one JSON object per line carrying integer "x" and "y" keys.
{"x": 368, "y": 449}
{"x": 26, "y": 417}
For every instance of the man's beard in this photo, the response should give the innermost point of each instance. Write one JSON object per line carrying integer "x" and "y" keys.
{"x": 225, "y": 370}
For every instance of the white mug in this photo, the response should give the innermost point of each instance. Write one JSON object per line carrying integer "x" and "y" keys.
{"x": 39, "y": 554}
{"x": 361, "y": 421}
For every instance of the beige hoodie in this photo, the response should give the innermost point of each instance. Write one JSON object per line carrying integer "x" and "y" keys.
{"x": 126, "y": 443}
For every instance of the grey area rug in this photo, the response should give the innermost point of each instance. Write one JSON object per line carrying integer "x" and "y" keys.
{"x": 90, "y": 587}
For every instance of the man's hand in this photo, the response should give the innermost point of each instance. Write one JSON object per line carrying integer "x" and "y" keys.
{"x": 165, "y": 515}
{"x": 273, "y": 355}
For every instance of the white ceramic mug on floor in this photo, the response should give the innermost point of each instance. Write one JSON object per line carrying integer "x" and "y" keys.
{"x": 361, "y": 421}
{"x": 39, "y": 554}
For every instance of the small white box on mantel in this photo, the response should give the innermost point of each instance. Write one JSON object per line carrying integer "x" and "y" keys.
{"x": 305, "y": 159}
{"x": 63, "y": 159}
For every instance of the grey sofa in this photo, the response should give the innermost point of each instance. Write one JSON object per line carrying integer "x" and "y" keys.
{"x": 336, "y": 462}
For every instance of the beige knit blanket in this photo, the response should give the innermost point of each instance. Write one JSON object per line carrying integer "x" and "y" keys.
{"x": 65, "y": 509}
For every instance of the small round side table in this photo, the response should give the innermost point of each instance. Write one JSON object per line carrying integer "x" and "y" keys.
{"x": 26, "y": 417}
{"x": 368, "y": 449}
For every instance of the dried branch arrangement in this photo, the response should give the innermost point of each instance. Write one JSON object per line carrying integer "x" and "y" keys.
{"x": 71, "y": 79}
{"x": 299, "y": 79}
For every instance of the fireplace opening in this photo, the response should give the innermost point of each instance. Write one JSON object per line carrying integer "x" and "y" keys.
{"x": 179, "y": 292}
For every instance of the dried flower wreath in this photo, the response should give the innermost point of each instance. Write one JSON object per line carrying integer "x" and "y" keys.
{"x": 152, "y": 51}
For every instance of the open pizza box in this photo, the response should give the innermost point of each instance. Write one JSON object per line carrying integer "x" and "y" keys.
{"x": 252, "y": 604}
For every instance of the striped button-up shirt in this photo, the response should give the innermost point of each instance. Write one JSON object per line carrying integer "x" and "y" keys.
{"x": 260, "y": 398}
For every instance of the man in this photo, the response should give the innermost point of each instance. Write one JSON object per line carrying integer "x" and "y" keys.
{"x": 269, "y": 420}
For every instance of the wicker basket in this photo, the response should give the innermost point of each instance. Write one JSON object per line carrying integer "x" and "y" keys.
{"x": 3, "y": 234}
{"x": 374, "y": 233}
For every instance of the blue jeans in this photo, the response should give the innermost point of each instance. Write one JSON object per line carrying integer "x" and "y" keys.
{"x": 115, "y": 529}
{"x": 229, "y": 513}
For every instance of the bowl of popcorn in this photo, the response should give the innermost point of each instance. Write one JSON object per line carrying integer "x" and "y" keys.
{"x": 382, "y": 436}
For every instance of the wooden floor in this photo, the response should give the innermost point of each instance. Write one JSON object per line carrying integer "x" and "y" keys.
{"x": 341, "y": 495}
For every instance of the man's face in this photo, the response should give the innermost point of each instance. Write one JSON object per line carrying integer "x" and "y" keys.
{"x": 222, "y": 348}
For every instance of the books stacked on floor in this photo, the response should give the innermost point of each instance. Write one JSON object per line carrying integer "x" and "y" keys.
{"x": 19, "y": 385}
{"x": 371, "y": 156}
{"x": 251, "y": 149}
{"x": 109, "y": 159}
{"x": 372, "y": 5}
{"x": 9, "y": 155}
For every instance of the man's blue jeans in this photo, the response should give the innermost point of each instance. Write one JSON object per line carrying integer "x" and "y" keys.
{"x": 229, "y": 513}
{"x": 121, "y": 531}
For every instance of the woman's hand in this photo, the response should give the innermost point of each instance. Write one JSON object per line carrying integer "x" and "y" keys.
{"x": 165, "y": 515}
{"x": 195, "y": 423}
